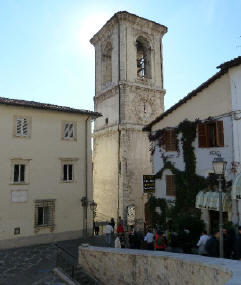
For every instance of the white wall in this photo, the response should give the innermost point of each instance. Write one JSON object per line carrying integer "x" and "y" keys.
{"x": 44, "y": 149}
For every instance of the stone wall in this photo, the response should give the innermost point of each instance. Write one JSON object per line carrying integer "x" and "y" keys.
{"x": 136, "y": 267}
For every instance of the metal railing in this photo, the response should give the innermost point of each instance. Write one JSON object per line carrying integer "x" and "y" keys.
{"x": 68, "y": 262}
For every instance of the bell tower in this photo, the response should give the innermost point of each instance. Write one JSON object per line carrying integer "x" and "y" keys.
{"x": 129, "y": 93}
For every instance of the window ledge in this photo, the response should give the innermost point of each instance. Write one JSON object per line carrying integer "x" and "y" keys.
{"x": 44, "y": 227}
{"x": 19, "y": 183}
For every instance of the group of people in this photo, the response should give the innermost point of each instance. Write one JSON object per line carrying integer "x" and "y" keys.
{"x": 133, "y": 239}
{"x": 155, "y": 241}
{"x": 209, "y": 245}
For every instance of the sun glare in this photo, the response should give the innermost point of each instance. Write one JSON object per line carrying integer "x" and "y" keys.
{"x": 90, "y": 26}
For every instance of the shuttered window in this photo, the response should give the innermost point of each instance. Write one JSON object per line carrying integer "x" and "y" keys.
{"x": 44, "y": 214}
{"x": 22, "y": 127}
{"x": 170, "y": 185}
{"x": 211, "y": 134}
{"x": 68, "y": 130}
{"x": 170, "y": 140}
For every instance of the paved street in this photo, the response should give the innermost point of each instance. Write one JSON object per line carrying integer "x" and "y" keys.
{"x": 28, "y": 265}
{"x": 33, "y": 265}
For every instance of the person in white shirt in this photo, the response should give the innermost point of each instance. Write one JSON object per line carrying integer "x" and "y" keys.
{"x": 149, "y": 238}
{"x": 202, "y": 242}
{"x": 108, "y": 234}
{"x": 117, "y": 242}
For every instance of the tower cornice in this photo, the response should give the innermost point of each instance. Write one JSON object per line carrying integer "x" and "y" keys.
{"x": 112, "y": 91}
{"x": 133, "y": 19}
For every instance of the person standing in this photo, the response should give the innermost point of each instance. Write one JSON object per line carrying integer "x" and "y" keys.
{"x": 227, "y": 243}
{"x": 112, "y": 222}
{"x": 132, "y": 237}
{"x": 237, "y": 245}
{"x": 212, "y": 245}
{"x": 117, "y": 242}
{"x": 149, "y": 239}
{"x": 160, "y": 241}
{"x": 108, "y": 234}
{"x": 202, "y": 242}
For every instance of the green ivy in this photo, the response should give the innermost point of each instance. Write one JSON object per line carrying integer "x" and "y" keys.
{"x": 187, "y": 182}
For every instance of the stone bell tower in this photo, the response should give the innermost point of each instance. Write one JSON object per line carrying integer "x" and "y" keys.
{"x": 129, "y": 93}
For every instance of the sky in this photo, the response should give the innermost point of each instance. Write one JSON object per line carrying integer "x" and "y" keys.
{"x": 45, "y": 54}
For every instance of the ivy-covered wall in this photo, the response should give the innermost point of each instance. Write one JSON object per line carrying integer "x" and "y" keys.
{"x": 187, "y": 182}
{"x": 190, "y": 164}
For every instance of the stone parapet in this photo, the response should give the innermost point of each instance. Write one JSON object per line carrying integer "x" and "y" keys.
{"x": 125, "y": 266}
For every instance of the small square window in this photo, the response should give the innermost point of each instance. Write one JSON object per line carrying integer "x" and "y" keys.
{"x": 20, "y": 171}
{"x": 22, "y": 126}
{"x": 17, "y": 231}
{"x": 68, "y": 169}
{"x": 69, "y": 130}
{"x": 211, "y": 134}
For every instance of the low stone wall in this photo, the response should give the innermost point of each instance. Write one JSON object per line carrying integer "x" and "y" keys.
{"x": 138, "y": 267}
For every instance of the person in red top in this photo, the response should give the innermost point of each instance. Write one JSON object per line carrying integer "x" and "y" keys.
{"x": 120, "y": 232}
{"x": 160, "y": 241}
{"x": 120, "y": 229}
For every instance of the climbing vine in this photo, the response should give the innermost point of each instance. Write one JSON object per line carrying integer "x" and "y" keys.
{"x": 187, "y": 182}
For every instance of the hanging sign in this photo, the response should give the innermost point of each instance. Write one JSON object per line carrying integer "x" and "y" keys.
{"x": 148, "y": 183}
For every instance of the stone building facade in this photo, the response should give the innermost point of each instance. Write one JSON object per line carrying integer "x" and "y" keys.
{"x": 129, "y": 93}
{"x": 45, "y": 171}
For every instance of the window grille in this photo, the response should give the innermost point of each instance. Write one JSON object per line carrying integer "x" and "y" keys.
{"x": 44, "y": 214}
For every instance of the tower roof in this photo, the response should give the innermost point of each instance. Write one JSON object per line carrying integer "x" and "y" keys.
{"x": 126, "y": 16}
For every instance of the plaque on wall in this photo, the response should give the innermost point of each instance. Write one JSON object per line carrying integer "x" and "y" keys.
{"x": 19, "y": 196}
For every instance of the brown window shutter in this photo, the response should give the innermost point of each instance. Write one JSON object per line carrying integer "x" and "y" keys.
{"x": 219, "y": 133}
{"x": 202, "y": 135}
{"x": 170, "y": 140}
{"x": 170, "y": 185}
{"x": 173, "y": 140}
{"x": 165, "y": 140}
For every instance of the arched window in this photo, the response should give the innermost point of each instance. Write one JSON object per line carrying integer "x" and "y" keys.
{"x": 143, "y": 58}
{"x": 107, "y": 63}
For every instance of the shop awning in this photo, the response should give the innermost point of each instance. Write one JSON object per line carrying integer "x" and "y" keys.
{"x": 236, "y": 188}
{"x": 210, "y": 201}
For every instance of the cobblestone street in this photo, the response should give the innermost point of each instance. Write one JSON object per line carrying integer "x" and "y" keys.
{"x": 29, "y": 265}
{"x": 33, "y": 265}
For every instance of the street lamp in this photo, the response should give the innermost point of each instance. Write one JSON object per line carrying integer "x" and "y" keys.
{"x": 219, "y": 166}
{"x": 93, "y": 207}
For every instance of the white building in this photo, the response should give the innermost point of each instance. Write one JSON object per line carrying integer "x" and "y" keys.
{"x": 45, "y": 170}
{"x": 217, "y": 105}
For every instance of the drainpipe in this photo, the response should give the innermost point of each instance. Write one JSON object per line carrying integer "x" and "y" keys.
{"x": 85, "y": 216}
{"x": 118, "y": 130}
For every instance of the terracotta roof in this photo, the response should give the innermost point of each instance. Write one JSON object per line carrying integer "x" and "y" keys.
{"x": 224, "y": 68}
{"x": 43, "y": 106}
